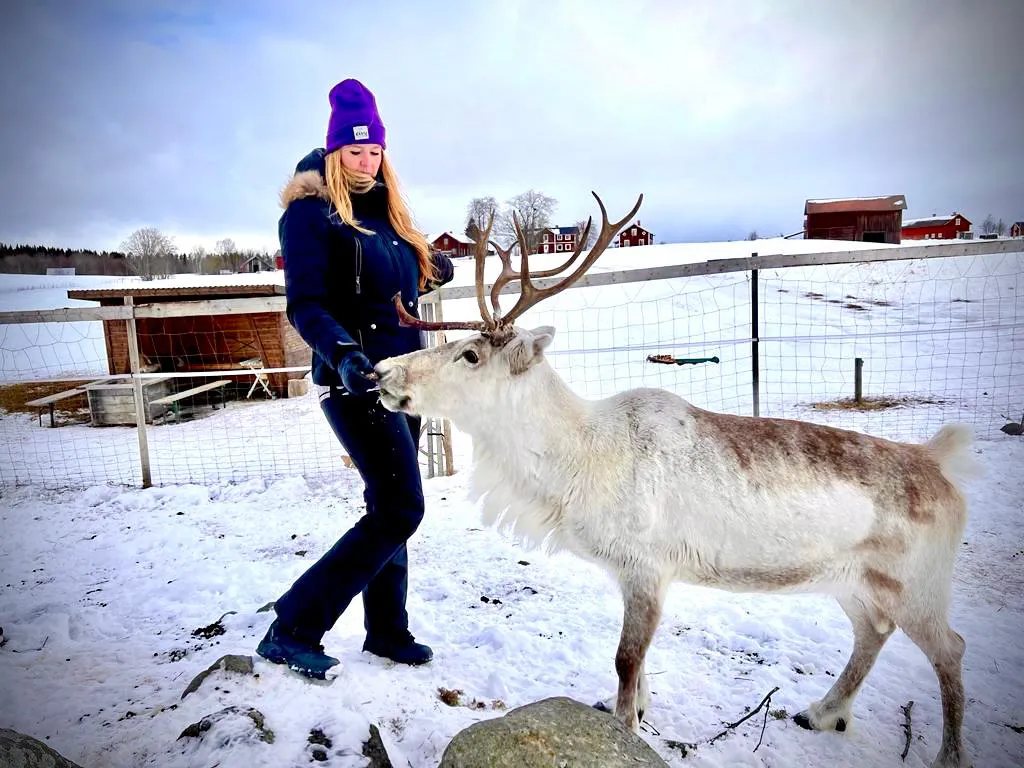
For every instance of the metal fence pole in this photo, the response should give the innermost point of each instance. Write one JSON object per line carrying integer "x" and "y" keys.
{"x": 755, "y": 377}
{"x": 140, "y": 404}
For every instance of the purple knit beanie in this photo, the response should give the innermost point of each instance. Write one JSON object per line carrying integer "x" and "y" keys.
{"x": 354, "y": 117}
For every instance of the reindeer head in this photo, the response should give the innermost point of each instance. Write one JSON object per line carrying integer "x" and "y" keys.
{"x": 462, "y": 374}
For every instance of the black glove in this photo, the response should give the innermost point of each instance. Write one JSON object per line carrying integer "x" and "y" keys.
{"x": 444, "y": 271}
{"x": 356, "y": 373}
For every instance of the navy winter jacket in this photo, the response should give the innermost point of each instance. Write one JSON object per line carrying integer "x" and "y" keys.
{"x": 339, "y": 282}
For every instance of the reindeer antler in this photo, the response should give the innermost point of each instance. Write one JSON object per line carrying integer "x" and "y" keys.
{"x": 495, "y": 322}
{"x": 485, "y": 324}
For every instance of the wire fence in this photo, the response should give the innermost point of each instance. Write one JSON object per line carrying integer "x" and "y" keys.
{"x": 891, "y": 341}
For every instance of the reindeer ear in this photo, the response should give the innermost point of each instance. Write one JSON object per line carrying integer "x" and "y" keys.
{"x": 542, "y": 338}
{"x": 526, "y": 348}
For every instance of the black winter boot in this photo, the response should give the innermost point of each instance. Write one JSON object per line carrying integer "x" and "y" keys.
{"x": 281, "y": 646}
{"x": 401, "y": 648}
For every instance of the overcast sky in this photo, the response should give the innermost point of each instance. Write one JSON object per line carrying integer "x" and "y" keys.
{"x": 726, "y": 114}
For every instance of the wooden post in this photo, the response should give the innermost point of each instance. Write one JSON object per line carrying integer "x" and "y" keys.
{"x": 448, "y": 468}
{"x": 140, "y": 402}
{"x": 430, "y": 425}
{"x": 438, "y": 431}
{"x": 858, "y": 375}
{"x": 755, "y": 374}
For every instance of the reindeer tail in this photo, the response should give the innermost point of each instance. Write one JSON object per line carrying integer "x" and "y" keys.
{"x": 951, "y": 447}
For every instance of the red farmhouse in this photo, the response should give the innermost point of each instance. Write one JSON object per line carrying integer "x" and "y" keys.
{"x": 558, "y": 239}
{"x": 634, "y": 235}
{"x": 452, "y": 245}
{"x": 945, "y": 227}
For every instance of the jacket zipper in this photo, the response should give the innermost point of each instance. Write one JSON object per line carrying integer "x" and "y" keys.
{"x": 359, "y": 288}
{"x": 359, "y": 266}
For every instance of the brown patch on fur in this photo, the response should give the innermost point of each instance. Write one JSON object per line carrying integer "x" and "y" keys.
{"x": 880, "y": 581}
{"x": 899, "y": 476}
{"x": 778, "y": 578}
{"x": 304, "y": 184}
{"x": 923, "y": 483}
{"x": 884, "y": 545}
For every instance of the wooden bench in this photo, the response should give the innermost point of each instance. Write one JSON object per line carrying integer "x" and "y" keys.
{"x": 174, "y": 400}
{"x": 49, "y": 400}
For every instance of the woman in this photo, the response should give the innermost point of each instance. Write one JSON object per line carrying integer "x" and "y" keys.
{"x": 349, "y": 246}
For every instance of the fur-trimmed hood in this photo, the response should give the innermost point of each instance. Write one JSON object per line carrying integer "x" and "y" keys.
{"x": 308, "y": 181}
{"x": 303, "y": 184}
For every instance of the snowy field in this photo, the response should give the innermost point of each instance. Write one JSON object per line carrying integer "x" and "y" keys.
{"x": 102, "y": 588}
{"x": 102, "y": 591}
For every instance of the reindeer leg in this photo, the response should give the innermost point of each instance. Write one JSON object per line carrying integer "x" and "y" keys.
{"x": 870, "y": 631}
{"x": 945, "y": 650}
{"x": 642, "y": 596}
{"x": 643, "y": 701}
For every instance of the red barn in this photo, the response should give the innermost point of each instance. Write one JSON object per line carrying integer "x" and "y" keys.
{"x": 945, "y": 227}
{"x": 867, "y": 219}
{"x": 452, "y": 245}
{"x": 634, "y": 235}
{"x": 1017, "y": 229}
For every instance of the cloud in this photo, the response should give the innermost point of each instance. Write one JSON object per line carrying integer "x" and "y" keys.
{"x": 726, "y": 115}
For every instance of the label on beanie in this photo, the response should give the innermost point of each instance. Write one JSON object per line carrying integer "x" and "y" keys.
{"x": 360, "y": 132}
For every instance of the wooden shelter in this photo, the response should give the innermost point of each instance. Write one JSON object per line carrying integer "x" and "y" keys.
{"x": 210, "y": 341}
{"x": 867, "y": 219}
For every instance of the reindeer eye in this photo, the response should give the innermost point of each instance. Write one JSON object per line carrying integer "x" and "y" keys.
{"x": 470, "y": 356}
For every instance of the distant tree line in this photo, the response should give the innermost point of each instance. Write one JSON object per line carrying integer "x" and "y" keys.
{"x": 147, "y": 253}
{"x": 25, "y": 259}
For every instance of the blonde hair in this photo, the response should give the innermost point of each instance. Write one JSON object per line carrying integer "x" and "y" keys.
{"x": 342, "y": 183}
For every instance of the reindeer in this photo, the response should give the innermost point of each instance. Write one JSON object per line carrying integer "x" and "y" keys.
{"x": 657, "y": 490}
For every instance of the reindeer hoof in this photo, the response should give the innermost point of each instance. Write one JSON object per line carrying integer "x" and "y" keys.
{"x": 803, "y": 719}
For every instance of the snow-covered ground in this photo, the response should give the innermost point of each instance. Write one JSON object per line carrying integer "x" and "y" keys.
{"x": 102, "y": 590}
{"x": 101, "y": 587}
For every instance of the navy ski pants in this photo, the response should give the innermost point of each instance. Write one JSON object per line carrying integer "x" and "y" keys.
{"x": 371, "y": 556}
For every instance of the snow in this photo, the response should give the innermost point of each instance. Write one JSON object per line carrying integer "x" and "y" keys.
{"x": 102, "y": 588}
{"x": 110, "y": 584}
{"x": 844, "y": 199}
{"x": 939, "y": 219}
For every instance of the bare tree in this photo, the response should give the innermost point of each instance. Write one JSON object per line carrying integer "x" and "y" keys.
{"x": 752, "y": 235}
{"x": 533, "y": 209}
{"x": 195, "y": 259}
{"x": 1000, "y": 227}
{"x": 150, "y": 253}
{"x": 989, "y": 226}
{"x": 591, "y": 238}
{"x": 477, "y": 213}
{"x": 230, "y": 257}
